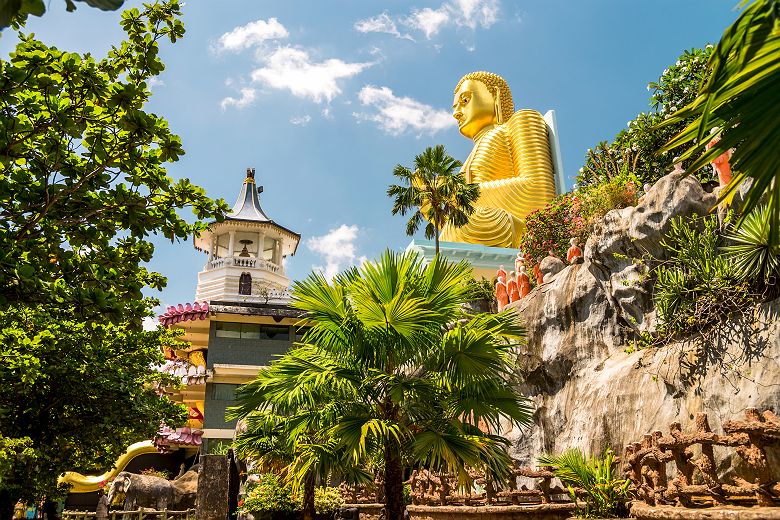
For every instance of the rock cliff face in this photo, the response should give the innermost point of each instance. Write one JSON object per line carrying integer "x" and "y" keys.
{"x": 589, "y": 393}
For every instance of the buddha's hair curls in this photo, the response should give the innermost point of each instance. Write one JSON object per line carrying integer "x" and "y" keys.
{"x": 493, "y": 82}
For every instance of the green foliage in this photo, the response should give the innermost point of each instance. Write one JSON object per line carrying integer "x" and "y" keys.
{"x": 15, "y": 12}
{"x": 270, "y": 495}
{"x": 327, "y": 500}
{"x": 696, "y": 287}
{"x": 605, "y": 493}
{"x": 637, "y": 149}
{"x": 435, "y": 191}
{"x": 755, "y": 259}
{"x": 388, "y": 366}
{"x": 740, "y": 99}
{"x": 596, "y": 201}
{"x": 76, "y": 394}
{"x": 482, "y": 290}
{"x": 82, "y": 188}
{"x": 83, "y": 182}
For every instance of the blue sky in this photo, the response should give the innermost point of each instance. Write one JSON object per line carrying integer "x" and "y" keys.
{"x": 325, "y": 98}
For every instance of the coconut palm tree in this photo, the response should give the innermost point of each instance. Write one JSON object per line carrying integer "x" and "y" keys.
{"x": 435, "y": 191}
{"x": 391, "y": 357}
{"x": 739, "y": 98}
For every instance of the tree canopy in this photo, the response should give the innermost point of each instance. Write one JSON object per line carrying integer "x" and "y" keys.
{"x": 83, "y": 188}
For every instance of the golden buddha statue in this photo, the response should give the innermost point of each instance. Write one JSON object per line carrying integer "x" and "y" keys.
{"x": 511, "y": 161}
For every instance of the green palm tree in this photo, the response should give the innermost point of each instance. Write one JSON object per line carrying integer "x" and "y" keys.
{"x": 435, "y": 190}
{"x": 740, "y": 98}
{"x": 391, "y": 358}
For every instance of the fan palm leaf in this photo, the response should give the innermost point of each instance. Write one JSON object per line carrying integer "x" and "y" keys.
{"x": 739, "y": 98}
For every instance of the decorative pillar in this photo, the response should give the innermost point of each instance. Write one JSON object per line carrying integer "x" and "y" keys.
{"x": 277, "y": 257}
{"x": 231, "y": 244}
{"x": 260, "y": 244}
{"x": 213, "y": 248}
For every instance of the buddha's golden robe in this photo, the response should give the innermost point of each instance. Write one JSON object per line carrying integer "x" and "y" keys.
{"x": 512, "y": 164}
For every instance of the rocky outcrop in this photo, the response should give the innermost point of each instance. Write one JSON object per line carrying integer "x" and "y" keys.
{"x": 588, "y": 391}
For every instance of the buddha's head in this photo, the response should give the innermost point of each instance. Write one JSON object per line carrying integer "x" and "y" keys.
{"x": 481, "y": 99}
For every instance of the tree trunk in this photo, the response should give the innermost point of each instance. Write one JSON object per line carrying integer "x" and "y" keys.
{"x": 7, "y": 503}
{"x": 394, "y": 484}
{"x": 308, "y": 498}
{"x": 436, "y": 239}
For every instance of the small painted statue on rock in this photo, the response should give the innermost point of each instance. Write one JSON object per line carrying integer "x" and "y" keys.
{"x": 574, "y": 254}
{"x": 511, "y": 288}
{"x": 538, "y": 273}
{"x": 519, "y": 261}
{"x": 721, "y": 167}
{"x": 502, "y": 296}
{"x": 523, "y": 282}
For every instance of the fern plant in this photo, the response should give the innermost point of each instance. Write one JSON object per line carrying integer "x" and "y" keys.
{"x": 605, "y": 493}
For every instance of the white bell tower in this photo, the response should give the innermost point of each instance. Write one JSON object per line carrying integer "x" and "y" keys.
{"x": 245, "y": 253}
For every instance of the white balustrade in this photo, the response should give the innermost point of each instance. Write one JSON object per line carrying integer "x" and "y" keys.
{"x": 242, "y": 261}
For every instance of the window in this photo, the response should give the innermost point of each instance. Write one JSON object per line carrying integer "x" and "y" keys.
{"x": 225, "y": 329}
{"x": 245, "y": 284}
{"x": 223, "y": 392}
{"x": 228, "y": 330}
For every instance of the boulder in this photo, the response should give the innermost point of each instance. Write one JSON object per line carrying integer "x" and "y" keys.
{"x": 591, "y": 387}
{"x": 550, "y": 266}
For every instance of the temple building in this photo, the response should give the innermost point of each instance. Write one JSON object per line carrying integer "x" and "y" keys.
{"x": 240, "y": 319}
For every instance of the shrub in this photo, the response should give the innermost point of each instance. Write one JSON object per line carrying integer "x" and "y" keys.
{"x": 605, "y": 494}
{"x": 551, "y": 228}
{"x": 696, "y": 287}
{"x": 327, "y": 500}
{"x": 596, "y": 201}
{"x": 269, "y": 496}
{"x": 575, "y": 215}
{"x": 635, "y": 149}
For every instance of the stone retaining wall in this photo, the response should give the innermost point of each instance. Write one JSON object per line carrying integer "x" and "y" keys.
{"x": 535, "y": 512}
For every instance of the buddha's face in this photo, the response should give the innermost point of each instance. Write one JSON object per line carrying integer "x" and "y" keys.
{"x": 473, "y": 107}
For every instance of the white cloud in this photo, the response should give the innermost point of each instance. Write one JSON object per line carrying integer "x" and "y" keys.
{"x": 337, "y": 247}
{"x": 290, "y": 68}
{"x": 301, "y": 120}
{"x": 430, "y": 21}
{"x": 471, "y": 13}
{"x": 154, "y": 81}
{"x": 396, "y": 115}
{"x": 381, "y": 23}
{"x": 250, "y": 35}
{"x": 248, "y": 96}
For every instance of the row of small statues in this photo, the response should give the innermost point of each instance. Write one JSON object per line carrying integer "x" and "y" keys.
{"x": 512, "y": 286}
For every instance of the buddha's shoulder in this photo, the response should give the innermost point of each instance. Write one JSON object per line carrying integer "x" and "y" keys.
{"x": 525, "y": 116}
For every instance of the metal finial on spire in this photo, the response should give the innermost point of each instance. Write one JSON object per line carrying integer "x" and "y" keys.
{"x": 250, "y": 173}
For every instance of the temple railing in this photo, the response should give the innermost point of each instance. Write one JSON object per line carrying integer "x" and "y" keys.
{"x": 430, "y": 488}
{"x": 137, "y": 514}
{"x": 696, "y": 479}
{"x": 242, "y": 261}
